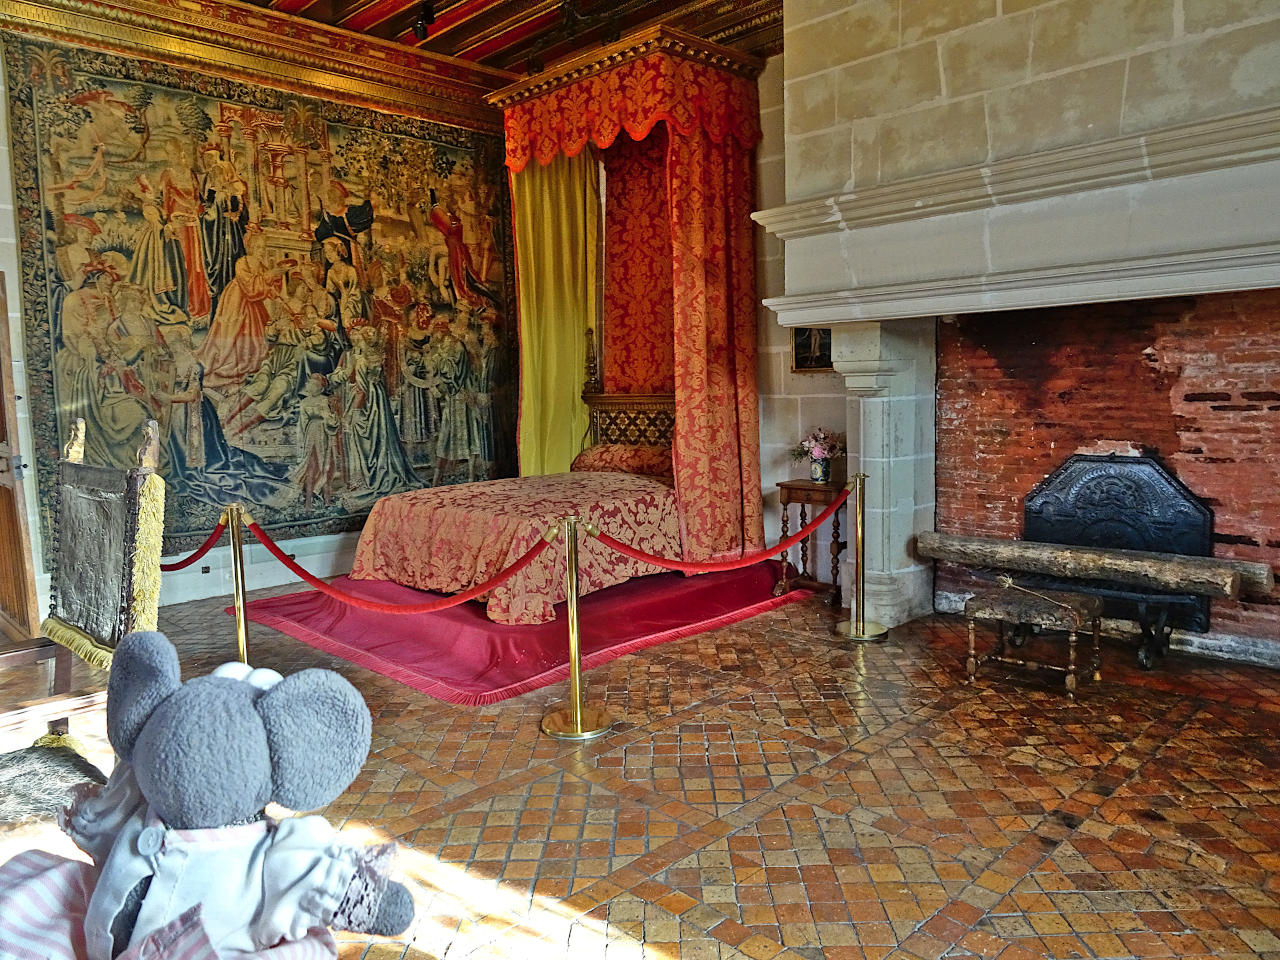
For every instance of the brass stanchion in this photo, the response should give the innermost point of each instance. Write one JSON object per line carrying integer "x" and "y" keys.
{"x": 858, "y": 628}
{"x": 574, "y": 720}
{"x": 236, "y": 518}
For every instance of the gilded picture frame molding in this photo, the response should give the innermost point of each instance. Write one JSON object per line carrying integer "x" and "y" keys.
{"x": 260, "y": 46}
{"x": 796, "y": 367}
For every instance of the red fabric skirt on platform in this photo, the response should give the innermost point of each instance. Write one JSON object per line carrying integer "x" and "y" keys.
{"x": 460, "y": 656}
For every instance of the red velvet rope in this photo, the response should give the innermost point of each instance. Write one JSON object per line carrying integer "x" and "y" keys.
{"x": 430, "y": 607}
{"x": 746, "y": 561}
{"x": 200, "y": 551}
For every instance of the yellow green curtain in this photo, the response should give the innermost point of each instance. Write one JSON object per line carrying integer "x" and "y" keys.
{"x": 557, "y": 222}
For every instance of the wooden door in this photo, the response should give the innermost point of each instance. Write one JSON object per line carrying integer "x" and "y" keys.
{"x": 19, "y": 617}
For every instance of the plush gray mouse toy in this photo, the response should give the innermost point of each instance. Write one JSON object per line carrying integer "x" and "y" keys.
{"x": 183, "y": 852}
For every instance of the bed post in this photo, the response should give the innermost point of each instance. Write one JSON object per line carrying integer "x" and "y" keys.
{"x": 591, "y": 382}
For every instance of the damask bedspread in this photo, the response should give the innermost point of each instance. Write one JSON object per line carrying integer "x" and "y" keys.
{"x": 450, "y": 538}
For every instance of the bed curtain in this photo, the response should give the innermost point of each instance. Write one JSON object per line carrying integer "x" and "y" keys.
{"x": 556, "y": 310}
{"x": 701, "y": 162}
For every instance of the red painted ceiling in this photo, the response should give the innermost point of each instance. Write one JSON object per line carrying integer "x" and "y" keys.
{"x": 525, "y": 35}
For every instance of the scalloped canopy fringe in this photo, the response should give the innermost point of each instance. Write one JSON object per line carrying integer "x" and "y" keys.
{"x": 635, "y": 96}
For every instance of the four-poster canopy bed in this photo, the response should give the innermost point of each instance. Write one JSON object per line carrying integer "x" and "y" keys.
{"x": 677, "y": 337}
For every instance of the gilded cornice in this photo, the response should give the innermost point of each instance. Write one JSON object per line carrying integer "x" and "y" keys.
{"x": 770, "y": 20}
{"x": 659, "y": 39}
{"x": 258, "y": 45}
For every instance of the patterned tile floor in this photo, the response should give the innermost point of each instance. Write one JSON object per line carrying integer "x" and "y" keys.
{"x": 770, "y": 791}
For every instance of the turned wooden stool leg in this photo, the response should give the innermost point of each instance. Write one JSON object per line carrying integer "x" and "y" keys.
{"x": 835, "y": 559}
{"x": 971, "y": 665}
{"x": 60, "y": 685}
{"x": 804, "y": 547}
{"x": 1097, "y": 652}
{"x": 1071, "y": 664}
{"x": 784, "y": 584}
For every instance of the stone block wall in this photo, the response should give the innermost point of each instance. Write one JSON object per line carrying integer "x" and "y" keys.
{"x": 1196, "y": 381}
{"x": 879, "y": 91}
{"x": 791, "y": 404}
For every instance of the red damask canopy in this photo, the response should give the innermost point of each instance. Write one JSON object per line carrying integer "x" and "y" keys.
{"x": 680, "y": 298}
{"x": 660, "y": 75}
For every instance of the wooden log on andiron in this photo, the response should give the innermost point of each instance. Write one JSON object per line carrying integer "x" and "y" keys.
{"x": 1256, "y": 579}
{"x": 1170, "y": 572}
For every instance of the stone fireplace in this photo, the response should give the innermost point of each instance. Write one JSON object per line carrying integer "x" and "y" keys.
{"x": 993, "y": 320}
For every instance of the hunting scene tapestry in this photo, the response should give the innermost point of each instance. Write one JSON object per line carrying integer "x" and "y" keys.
{"x": 313, "y": 299}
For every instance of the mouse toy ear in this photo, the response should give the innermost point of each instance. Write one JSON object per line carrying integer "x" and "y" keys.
{"x": 144, "y": 671}
{"x": 318, "y": 730}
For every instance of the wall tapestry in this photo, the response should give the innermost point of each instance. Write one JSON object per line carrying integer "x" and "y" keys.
{"x": 313, "y": 299}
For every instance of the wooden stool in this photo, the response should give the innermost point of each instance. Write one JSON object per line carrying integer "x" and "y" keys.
{"x": 1047, "y": 609}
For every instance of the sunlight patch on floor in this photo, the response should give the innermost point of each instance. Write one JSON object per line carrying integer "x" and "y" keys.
{"x": 461, "y": 915}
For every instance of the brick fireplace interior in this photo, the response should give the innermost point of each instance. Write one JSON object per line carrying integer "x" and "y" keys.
{"x": 1193, "y": 381}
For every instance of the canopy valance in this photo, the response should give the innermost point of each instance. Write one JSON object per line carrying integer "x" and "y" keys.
{"x": 660, "y": 75}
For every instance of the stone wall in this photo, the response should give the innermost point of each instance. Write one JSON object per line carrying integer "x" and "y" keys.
{"x": 879, "y": 91}
{"x": 1196, "y": 381}
{"x": 791, "y": 404}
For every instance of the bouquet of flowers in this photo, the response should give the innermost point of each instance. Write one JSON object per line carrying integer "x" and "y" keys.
{"x": 820, "y": 444}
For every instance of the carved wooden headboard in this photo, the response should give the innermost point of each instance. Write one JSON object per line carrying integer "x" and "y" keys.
{"x": 624, "y": 417}
{"x": 630, "y": 417}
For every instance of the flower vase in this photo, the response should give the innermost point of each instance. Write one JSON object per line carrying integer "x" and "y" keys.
{"x": 820, "y": 470}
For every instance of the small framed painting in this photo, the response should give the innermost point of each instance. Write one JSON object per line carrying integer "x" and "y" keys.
{"x": 811, "y": 350}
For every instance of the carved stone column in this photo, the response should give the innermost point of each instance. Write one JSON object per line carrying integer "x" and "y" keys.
{"x": 889, "y": 369}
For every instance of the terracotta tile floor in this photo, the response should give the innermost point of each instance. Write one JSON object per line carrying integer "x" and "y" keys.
{"x": 770, "y": 791}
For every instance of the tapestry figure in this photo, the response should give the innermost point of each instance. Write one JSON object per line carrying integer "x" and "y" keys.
{"x": 223, "y": 220}
{"x": 342, "y": 283}
{"x": 158, "y": 264}
{"x": 89, "y": 370}
{"x": 139, "y": 345}
{"x": 456, "y": 441}
{"x": 375, "y": 460}
{"x": 73, "y": 253}
{"x": 344, "y": 220}
{"x": 236, "y": 343}
{"x": 181, "y": 208}
{"x": 466, "y": 288}
{"x": 200, "y": 461}
{"x": 484, "y": 375}
{"x": 420, "y": 400}
{"x": 319, "y": 469}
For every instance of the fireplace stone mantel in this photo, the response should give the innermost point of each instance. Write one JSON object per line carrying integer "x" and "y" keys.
{"x": 1183, "y": 211}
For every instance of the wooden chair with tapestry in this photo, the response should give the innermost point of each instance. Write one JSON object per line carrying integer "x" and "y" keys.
{"x": 105, "y": 577}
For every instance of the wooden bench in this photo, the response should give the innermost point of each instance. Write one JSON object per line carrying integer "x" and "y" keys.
{"x": 1046, "y": 609}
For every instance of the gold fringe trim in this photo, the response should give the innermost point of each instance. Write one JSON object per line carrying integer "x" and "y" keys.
{"x": 145, "y": 602}
{"x": 78, "y": 642}
{"x": 52, "y": 740}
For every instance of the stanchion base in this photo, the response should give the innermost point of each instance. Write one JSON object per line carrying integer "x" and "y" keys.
{"x": 871, "y": 631}
{"x": 557, "y": 723}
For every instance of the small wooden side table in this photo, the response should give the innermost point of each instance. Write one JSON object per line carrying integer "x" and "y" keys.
{"x": 806, "y": 492}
